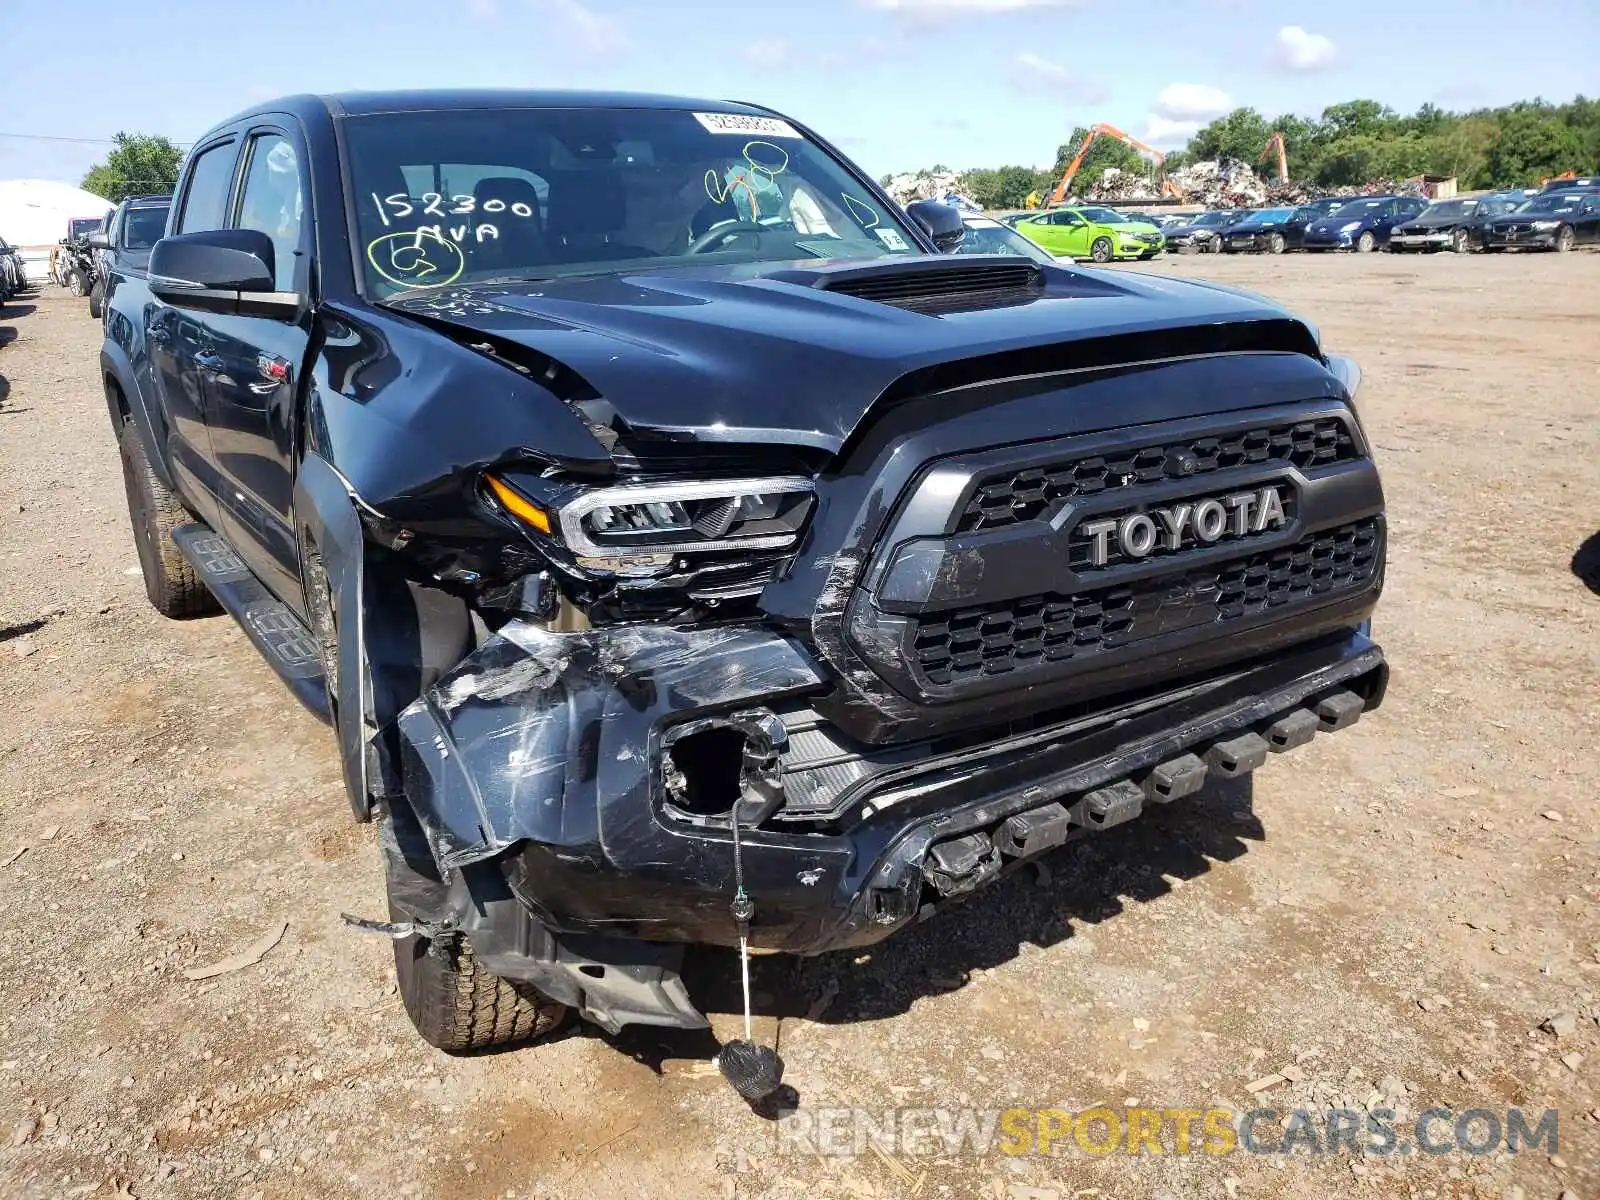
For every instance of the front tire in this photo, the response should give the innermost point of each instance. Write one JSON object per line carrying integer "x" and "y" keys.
{"x": 1100, "y": 250}
{"x": 1564, "y": 239}
{"x": 75, "y": 283}
{"x": 170, "y": 580}
{"x": 1366, "y": 242}
{"x": 1277, "y": 244}
{"x": 457, "y": 1005}
{"x": 1460, "y": 241}
{"x": 97, "y": 300}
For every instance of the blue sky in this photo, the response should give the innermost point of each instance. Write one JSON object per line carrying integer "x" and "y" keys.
{"x": 898, "y": 83}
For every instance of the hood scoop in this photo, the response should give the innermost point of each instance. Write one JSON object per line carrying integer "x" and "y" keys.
{"x": 935, "y": 284}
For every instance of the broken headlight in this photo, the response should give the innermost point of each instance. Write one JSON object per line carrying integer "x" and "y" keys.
{"x": 637, "y": 528}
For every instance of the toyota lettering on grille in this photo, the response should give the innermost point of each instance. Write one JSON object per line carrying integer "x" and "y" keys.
{"x": 1199, "y": 523}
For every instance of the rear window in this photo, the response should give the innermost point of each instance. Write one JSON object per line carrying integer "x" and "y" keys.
{"x": 143, "y": 227}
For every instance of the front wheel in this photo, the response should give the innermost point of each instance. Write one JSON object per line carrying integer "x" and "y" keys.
{"x": 1277, "y": 244}
{"x": 1366, "y": 242}
{"x": 75, "y": 283}
{"x": 97, "y": 299}
{"x": 1564, "y": 239}
{"x": 1460, "y": 241}
{"x": 457, "y": 1005}
{"x": 1100, "y": 250}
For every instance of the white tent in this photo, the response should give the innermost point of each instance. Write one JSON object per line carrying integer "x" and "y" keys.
{"x": 35, "y": 212}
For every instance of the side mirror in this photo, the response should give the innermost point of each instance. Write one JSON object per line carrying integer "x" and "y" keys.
{"x": 940, "y": 222}
{"x": 99, "y": 240}
{"x": 220, "y": 270}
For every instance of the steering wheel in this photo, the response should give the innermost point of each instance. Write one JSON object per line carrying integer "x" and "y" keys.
{"x": 715, "y": 236}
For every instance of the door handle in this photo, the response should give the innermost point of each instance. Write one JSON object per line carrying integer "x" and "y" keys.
{"x": 207, "y": 362}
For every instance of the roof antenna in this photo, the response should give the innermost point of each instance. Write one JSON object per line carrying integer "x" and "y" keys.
{"x": 754, "y": 1071}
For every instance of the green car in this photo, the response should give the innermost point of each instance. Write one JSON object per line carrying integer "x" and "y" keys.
{"x": 1101, "y": 234}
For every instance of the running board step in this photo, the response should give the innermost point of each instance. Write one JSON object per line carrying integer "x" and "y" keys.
{"x": 280, "y": 636}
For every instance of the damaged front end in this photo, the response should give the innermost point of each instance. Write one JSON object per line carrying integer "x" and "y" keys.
{"x": 568, "y": 798}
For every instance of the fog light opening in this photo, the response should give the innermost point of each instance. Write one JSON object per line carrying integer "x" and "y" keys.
{"x": 702, "y": 771}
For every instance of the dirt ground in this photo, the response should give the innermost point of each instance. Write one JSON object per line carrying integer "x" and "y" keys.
{"x": 1389, "y": 918}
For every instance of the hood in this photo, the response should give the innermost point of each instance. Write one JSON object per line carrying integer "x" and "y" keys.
{"x": 1437, "y": 221}
{"x": 771, "y": 354}
{"x": 1336, "y": 223}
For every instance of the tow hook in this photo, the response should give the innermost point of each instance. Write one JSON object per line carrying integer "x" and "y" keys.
{"x": 397, "y": 930}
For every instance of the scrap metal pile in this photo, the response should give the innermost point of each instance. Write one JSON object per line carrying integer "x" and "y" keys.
{"x": 931, "y": 185}
{"x": 1232, "y": 183}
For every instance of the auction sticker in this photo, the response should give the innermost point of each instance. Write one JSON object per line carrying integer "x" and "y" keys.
{"x": 748, "y": 126}
{"x": 891, "y": 238}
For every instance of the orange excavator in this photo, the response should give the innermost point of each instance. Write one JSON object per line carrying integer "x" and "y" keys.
{"x": 1275, "y": 142}
{"x": 1064, "y": 188}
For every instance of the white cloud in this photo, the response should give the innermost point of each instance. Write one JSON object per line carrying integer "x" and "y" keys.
{"x": 1179, "y": 102}
{"x": 768, "y": 52}
{"x": 1298, "y": 50}
{"x": 930, "y": 11}
{"x": 588, "y": 29}
{"x": 1166, "y": 134}
{"x": 1040, "y": 75}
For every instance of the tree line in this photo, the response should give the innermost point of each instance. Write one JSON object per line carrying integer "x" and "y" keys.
{"x": 1352, "y": 143}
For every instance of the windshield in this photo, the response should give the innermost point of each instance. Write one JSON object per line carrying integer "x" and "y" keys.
{"x": 82, "y": 226}
{"x": 462, "y": 195}
{"x": 1451, "y": 209}
{"x": 1551, "y": 204}
{"x": 1320, "y": 208}
{"x": 1267, "y": 216}
{"x": 143, "y": 227}
{"x": 1103, "y": 216}
{"x": 994, "y": 238}
{"x": 1213, "y": 218}
{"x": 1360, "y": 208}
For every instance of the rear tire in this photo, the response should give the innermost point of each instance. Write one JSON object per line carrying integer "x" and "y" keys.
{"x": 458, "y": 1006}
{"x": 170, "y": 580}
{"x": 1366, "y": 242}
{"x": 1100, "y": 250}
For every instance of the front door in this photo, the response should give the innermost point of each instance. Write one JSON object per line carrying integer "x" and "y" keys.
{"x": 255, "y": 373}
{"x": 178, "y": 343}
{"x": 1074, "y": 236}
{"x": 1586, "y": 225}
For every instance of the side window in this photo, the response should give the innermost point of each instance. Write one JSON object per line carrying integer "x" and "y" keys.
{"x": 273, "y": 202}
{"x": 205, "y": 203}
{"x": 210, "y": 181}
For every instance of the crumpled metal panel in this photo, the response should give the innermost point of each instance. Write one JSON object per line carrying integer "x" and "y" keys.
{"x": 548, "y": 736}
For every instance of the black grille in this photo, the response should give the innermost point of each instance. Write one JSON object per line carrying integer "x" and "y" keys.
{"x": 1021, "y": 635}
{"x": 1030, "y": 493}
{"x": 908, "y": 288}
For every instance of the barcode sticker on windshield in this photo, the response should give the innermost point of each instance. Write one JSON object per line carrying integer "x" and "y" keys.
{"x": 749, "y": 126}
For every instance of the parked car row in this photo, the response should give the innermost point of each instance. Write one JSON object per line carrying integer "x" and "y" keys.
{"x": 13, "y": 275}
{"x": 100, "y": 252}
{"x": 1564, "y": 215}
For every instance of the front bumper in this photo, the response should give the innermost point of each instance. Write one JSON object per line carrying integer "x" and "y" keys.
{"x": 1438, "y": 240}
{"x": 1543, "y": 239}
{"x": 548, "y": 758}
{"x": 1330, "y": 241}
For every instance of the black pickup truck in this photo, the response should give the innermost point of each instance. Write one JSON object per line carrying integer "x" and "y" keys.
{"x": 650, "y": 509}
{"x": 123, "y": 247}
